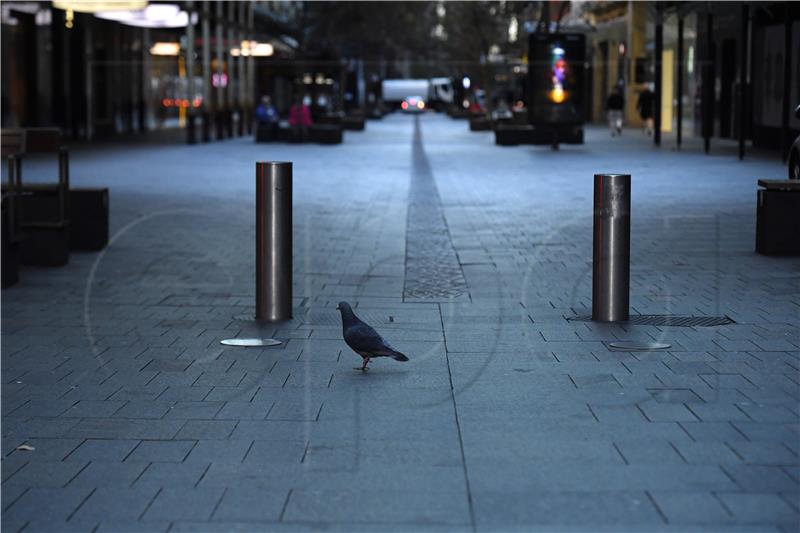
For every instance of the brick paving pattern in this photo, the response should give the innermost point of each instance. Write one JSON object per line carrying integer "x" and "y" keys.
{"x": 508, "y": 416}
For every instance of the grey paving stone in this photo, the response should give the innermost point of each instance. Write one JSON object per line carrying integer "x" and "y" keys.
{"x": 275, "y": 452}
{"x": 206, "y": 429}
{"x": 219, "y": 451}
{"x": 44, "y": 449}
{"x": 414, "y": 508}
{"x": 133, "y": 526}
{"x": 46, "y": 473}
{"x": 171, "y": 475}
{"x": 243, "y": 410}
{"x": 713, "y": 431}
{"x": 760, "y": 508}
{"x": 251, "y": 505}
{"x": 161, "y": 451}
{"x": 707, "y": 452}
{"x": 194, "y": 504}
{"x": 56, "y": 504}
{"x": 108, "y": 474}
{"x": 578, "y": 510}
{"x": 761, "y": 478}
{"x": 718, "y": 412}
{"x": 194, "y": 410}
{"x": 143, "y": 409}
{"x": 105, "y": 450}
{"x": 649, "y": 451}
{"x": 765, "y": 453}
{"x": 111, "y": 428}
{"x": 692, "y": 508}
{"x": 93, "y": 409}
{"x": 660, "y": 412}
{"x": 121, "y": 503}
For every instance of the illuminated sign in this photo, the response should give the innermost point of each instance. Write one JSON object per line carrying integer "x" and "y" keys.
{"x": 556, "y": 93}
{"x": 558, "y": 74}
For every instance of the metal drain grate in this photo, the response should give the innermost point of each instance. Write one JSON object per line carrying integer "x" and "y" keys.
{"x": 667, "y": 320}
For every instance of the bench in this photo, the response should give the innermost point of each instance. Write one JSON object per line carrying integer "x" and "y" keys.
{"x": 89, "y": 220}
{"x": 509, "y": 134}
{"x": 266, "y": 132}
{"x": 479, "y": 123}
{"x": 778, "y": 218}
{"x": 41, "y": 209}
{"x": 353, "y": 122}
{"x": 325, "y": 133}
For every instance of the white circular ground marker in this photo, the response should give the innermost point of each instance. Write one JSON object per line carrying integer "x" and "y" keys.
{"x": 250, "y": 342}
{"x": 634, "y": 346}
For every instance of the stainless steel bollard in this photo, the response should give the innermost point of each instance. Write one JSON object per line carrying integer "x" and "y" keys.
{"x": 612, "y": 247}
{"x": 273, "y": 241}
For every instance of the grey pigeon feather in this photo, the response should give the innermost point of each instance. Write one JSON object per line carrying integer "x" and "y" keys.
{"x": 363, "y": 339}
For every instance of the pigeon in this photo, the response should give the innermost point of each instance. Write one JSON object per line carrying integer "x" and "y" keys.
{"x": 363, "y": 339}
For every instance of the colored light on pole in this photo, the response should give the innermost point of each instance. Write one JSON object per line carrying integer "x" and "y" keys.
{"x": 558, "y": 75}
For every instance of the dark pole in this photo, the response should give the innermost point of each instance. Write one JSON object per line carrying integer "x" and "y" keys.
{"x": 743, "y": 85}
{"x": 787, "y": 83}
{"x": 611, "y": 247}
{"x": 680, "y": 81}
{"x": 708, "y": 85}
{"x": 273, "y": 241}
{"x": 658, "y": 92}
{"x": 190, "y": 133}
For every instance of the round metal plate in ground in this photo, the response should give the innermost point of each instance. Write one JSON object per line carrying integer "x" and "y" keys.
{"x": 250, "y": 342}
{"x": 638, "y": 346}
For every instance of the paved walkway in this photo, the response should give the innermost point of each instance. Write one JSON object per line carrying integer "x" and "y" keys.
{"x": 508, "y": 417}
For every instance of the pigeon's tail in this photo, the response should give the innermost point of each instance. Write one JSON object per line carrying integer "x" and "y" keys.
{"x": 397, "y": 356}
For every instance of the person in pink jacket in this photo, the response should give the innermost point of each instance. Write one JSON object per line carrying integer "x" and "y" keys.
{"x": 300, "y": 118}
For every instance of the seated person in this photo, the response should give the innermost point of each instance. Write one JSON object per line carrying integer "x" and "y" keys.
{"x": 268, "y": 118}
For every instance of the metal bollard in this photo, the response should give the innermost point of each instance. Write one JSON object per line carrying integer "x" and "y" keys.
{"x": 612, "y": 247}
{"x": 273, "y": 241}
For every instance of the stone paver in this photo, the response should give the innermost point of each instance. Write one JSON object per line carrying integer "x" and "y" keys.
{"x": 508, "y": 416}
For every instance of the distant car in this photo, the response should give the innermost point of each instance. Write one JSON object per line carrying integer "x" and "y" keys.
{"x": 794, "y": 153}
{"x": 413, "y": 104}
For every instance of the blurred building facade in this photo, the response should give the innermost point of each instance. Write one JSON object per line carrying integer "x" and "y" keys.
{"x": 725, "y": 67}
{"x": 95, "y": 73}
{"x": 720, "y": 69}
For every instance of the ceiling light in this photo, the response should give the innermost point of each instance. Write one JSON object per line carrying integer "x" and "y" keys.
{"x": 153, "y": 16}
{"x": 165, "y": 49}
{"x": 93, "y": 6}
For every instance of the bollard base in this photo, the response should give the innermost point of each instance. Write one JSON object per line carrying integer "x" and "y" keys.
{"x": 634, "y": 346}
{"x": 250, "y": 342}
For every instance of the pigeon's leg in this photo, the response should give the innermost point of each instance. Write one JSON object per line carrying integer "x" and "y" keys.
{"x": 363, "y": 367}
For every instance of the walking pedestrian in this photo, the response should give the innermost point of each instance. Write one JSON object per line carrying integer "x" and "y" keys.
{"x": 615, "y": 103}
{"x": 645, "y": 106}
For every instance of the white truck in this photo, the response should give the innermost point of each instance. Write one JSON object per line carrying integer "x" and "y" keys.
{"x": 437, "y": 92}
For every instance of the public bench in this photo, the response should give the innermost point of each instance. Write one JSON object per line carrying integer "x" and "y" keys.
{"x": 778, "y": 217}
{"x": 49, "y": 219}
{"x": 325, "y": 132}
{"x": 510, "y": 134}
{"x": 42, "y": 209}
{"x": 354, "y": 121}
{"x": 479, "y": 123}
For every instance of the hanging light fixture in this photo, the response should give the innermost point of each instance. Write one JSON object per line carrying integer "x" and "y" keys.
{"x": 94, "y": 6}
{"x": 152, "y": 16}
